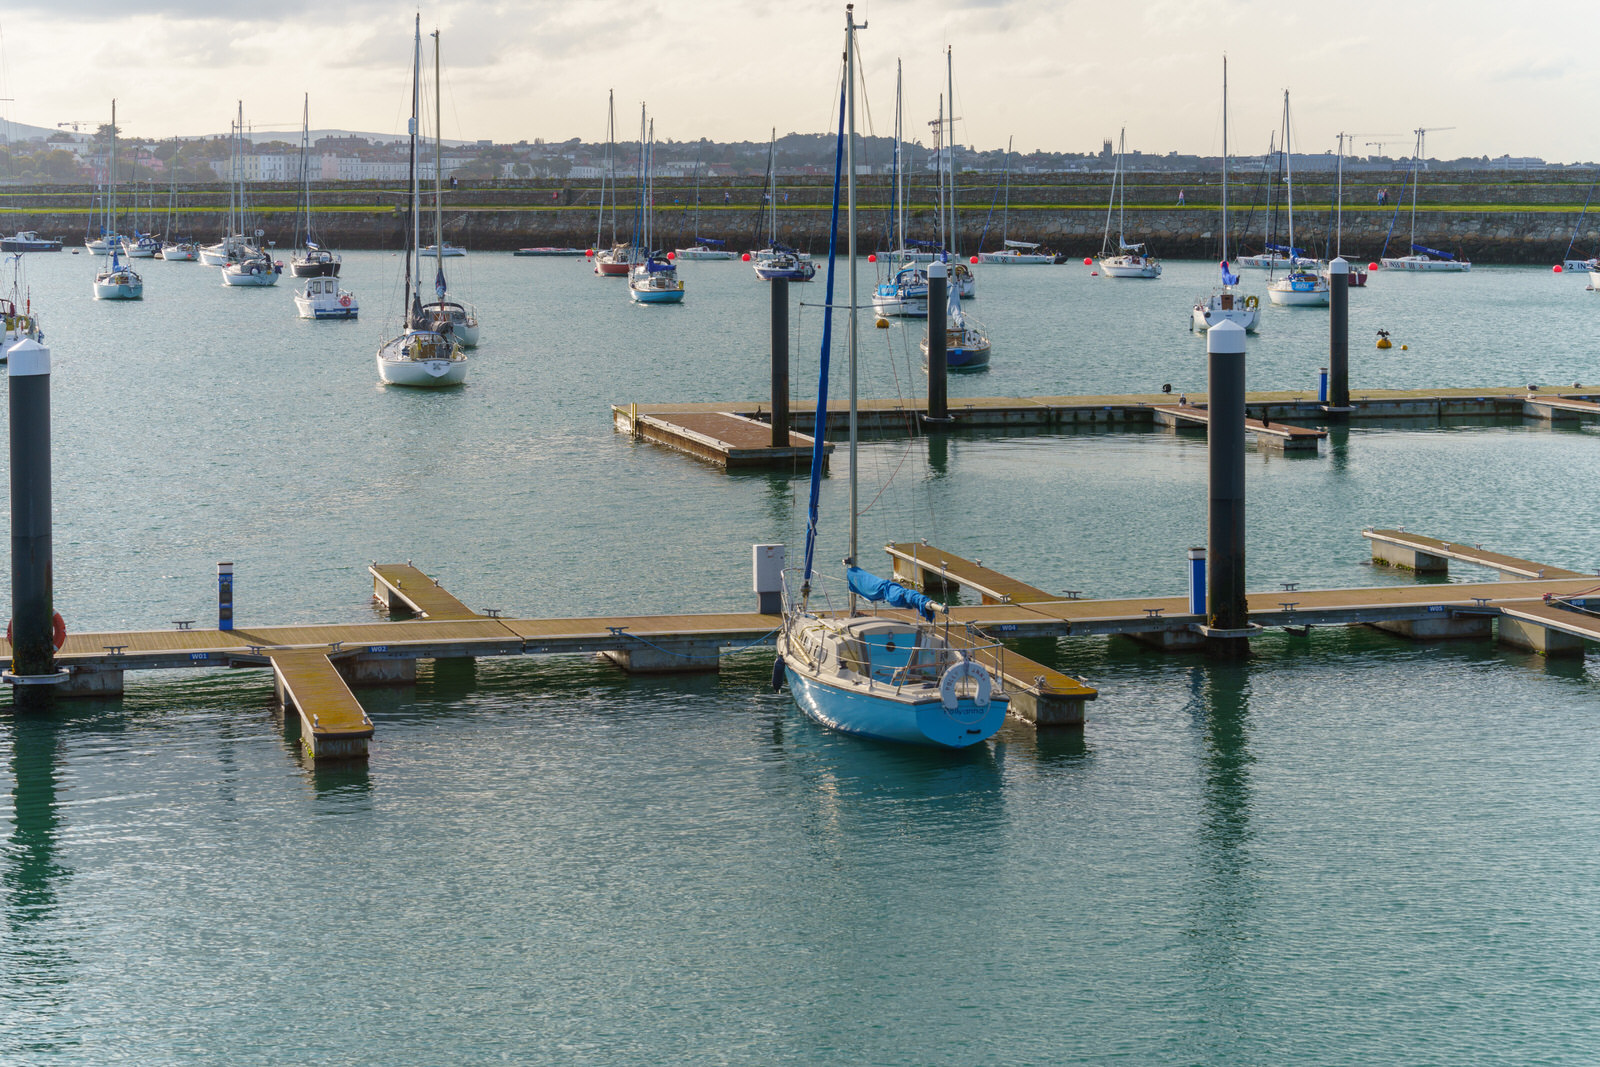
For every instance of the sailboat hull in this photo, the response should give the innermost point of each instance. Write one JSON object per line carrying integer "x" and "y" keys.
{"x": 1209, "y": 313}
{"x": 1130, "y": 267}
{"x": 854, "y": 711}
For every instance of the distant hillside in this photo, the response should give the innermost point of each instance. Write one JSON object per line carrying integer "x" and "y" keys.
{"x": 21, "y": 131}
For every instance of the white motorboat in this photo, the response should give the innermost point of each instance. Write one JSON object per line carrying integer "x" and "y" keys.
{"x": 29, "y": 241}
{"x": 1130, "y": 259}
{"x": 323, "y": 299}
{"x": 1423, "y": 258}
{"x": 118, "y": 282}
{"x": 1225, "y": 303}
{"x": 421, "y": 356}
{"x": 449, "y": 250}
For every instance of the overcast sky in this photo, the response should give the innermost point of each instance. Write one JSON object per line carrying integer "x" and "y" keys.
{"x": 1060, "y": 75}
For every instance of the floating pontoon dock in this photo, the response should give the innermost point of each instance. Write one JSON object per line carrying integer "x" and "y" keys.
{"x": 1273, "y": 417}
{"x": 315, "y": 667}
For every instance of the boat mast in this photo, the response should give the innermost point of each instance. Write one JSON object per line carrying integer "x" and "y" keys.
{"x": 649, "y": 193}
{"x": 1288, "y": 178}
{"x": 850, "y": 185}
{"x": 611, "y": 168}
{"x": 897, "y": 218}
{"x": 305, "y": 175}
{"x": 772, "y": 190}
{"x": 1224, "y": 161}
{"x": 111, "y": 197}
{"x": 939, "y": 152}
{"x": 696, "y": 233}
{"x": 1122, "y": 188}
{"x": 950, "y": 82}
{"x": 1338, "y": 208}
{"x": 438, "y": 164}
{"x": 414, "y": 283}
{"x": 1416, "y": 160}
{"x": 1005, "y": 214}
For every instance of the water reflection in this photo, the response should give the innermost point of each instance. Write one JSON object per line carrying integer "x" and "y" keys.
{"x": 35, "y": 963}
{"x": 1219, "y": 707}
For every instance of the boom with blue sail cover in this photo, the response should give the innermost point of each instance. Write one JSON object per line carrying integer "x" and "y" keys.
{"x": 882, "y": 590}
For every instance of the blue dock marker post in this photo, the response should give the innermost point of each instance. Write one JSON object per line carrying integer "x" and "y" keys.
{"x": 1225, "y": 542}
{"x": 33, "y": 659}
{"x": 938, "y": 378}
{"x": 224, "y": 596}
{"x": 1339, "y": 336}
{"x": 1322, "y": 386}
{"x": 780, "y": 362}
{"x": 1197, "y": 582}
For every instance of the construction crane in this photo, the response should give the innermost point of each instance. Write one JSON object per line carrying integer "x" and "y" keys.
{"x": 1422, "y": 136}
{"x": 1391, "y": 138}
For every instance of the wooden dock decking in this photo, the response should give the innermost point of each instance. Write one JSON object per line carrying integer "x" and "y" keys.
{"x": 722, "y": 437}
{"x": 416, "y": 592}
{"x": 1276, "y": 434}
{"x": 1138, "y": 410}
{"x": 333, "y": 724}
{"x": 928, "y": 567}
{"x": 1431, "y": 555}
{"x": 314, "y": 665}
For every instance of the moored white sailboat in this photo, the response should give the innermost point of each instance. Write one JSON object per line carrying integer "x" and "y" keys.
{"x": 450, "y": 317}
{"x": 1128, "y": 260}
{"x": 423, "y": 354}
{"x": 655, "y": 279}
{"x": 116, "y": 281}
{"x": 893, "y": 677}
{"x": 1423, "y": 258}
{"x": 1226, "y": 303}
{"x": 1301, "y": 286}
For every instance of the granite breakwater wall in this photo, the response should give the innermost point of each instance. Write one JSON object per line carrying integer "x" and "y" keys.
{"x": 1487, "y": 218}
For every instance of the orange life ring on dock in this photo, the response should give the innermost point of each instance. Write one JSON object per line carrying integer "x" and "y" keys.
{"x": 344, "y": 301}
{"x": 58, "y": 631}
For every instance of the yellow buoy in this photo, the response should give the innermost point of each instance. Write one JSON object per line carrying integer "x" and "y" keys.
{"x": 1383, "y": 339}
{"x": 882, "y": 323}
{"x": 1404, "y": 347}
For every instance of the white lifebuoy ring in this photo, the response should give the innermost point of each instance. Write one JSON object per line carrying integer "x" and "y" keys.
{"x": 344, "y": 301}
{"x": 951, "y": 679}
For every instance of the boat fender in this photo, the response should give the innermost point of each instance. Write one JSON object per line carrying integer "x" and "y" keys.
{"x": 777, "y": 675}
{"x": 951, "y": 679}
{"x": 58, "y": 630}
{"x": 1251, "y": 303}
{"x": 254, "y": 269}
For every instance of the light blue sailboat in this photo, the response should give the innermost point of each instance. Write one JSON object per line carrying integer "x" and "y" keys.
{"x": 896, "y": 676}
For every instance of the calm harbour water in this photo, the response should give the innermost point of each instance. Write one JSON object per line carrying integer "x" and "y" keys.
{"x": 1349, "y": 850}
